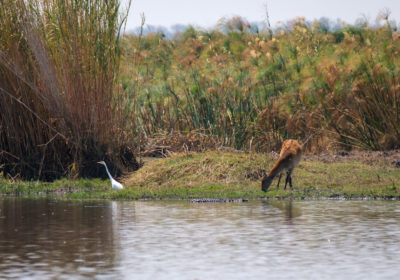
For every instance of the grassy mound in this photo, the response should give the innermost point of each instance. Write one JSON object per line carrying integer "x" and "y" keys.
{"x": 237, "y": 175}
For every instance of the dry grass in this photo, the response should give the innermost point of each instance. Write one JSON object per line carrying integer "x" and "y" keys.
{"x": 163, "y": 144}
{"x": 194, "y": 169}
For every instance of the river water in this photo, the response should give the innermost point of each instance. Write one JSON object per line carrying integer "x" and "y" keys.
{"x": 62, "y": 239}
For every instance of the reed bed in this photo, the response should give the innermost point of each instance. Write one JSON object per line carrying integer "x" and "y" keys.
{"x": 338, "y": 88}
{"x": 60, "y": 105}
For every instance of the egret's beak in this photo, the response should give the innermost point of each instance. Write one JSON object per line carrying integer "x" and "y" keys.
{"x": 99, "y": 162}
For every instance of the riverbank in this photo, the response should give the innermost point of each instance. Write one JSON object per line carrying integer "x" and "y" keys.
{"x": 234, "y": 175}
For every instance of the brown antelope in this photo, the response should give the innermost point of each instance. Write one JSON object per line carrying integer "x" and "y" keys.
{"x": 289, "y": 158}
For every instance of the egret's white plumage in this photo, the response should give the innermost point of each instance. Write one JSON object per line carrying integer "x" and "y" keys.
{"x": 115, "y": 184}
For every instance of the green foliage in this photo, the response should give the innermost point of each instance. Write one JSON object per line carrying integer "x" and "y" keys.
{"x": 249, "y": 90}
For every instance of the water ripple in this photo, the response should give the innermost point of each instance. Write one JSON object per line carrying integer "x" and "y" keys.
{"x": 181, "y": 240}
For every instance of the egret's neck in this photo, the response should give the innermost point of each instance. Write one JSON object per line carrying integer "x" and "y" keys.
{"x": 109, "y": 175}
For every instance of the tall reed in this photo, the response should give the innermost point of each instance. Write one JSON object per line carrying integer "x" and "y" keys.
{"x": 60, "y": 102}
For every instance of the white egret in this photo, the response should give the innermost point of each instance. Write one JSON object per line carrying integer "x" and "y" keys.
{"x": 115, "y": 185}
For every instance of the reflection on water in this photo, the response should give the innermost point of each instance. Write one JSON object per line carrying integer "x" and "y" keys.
{"x": 44, "y": 237}
{"x": 288, "y": 210}
{"x": 179, "y": 240}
